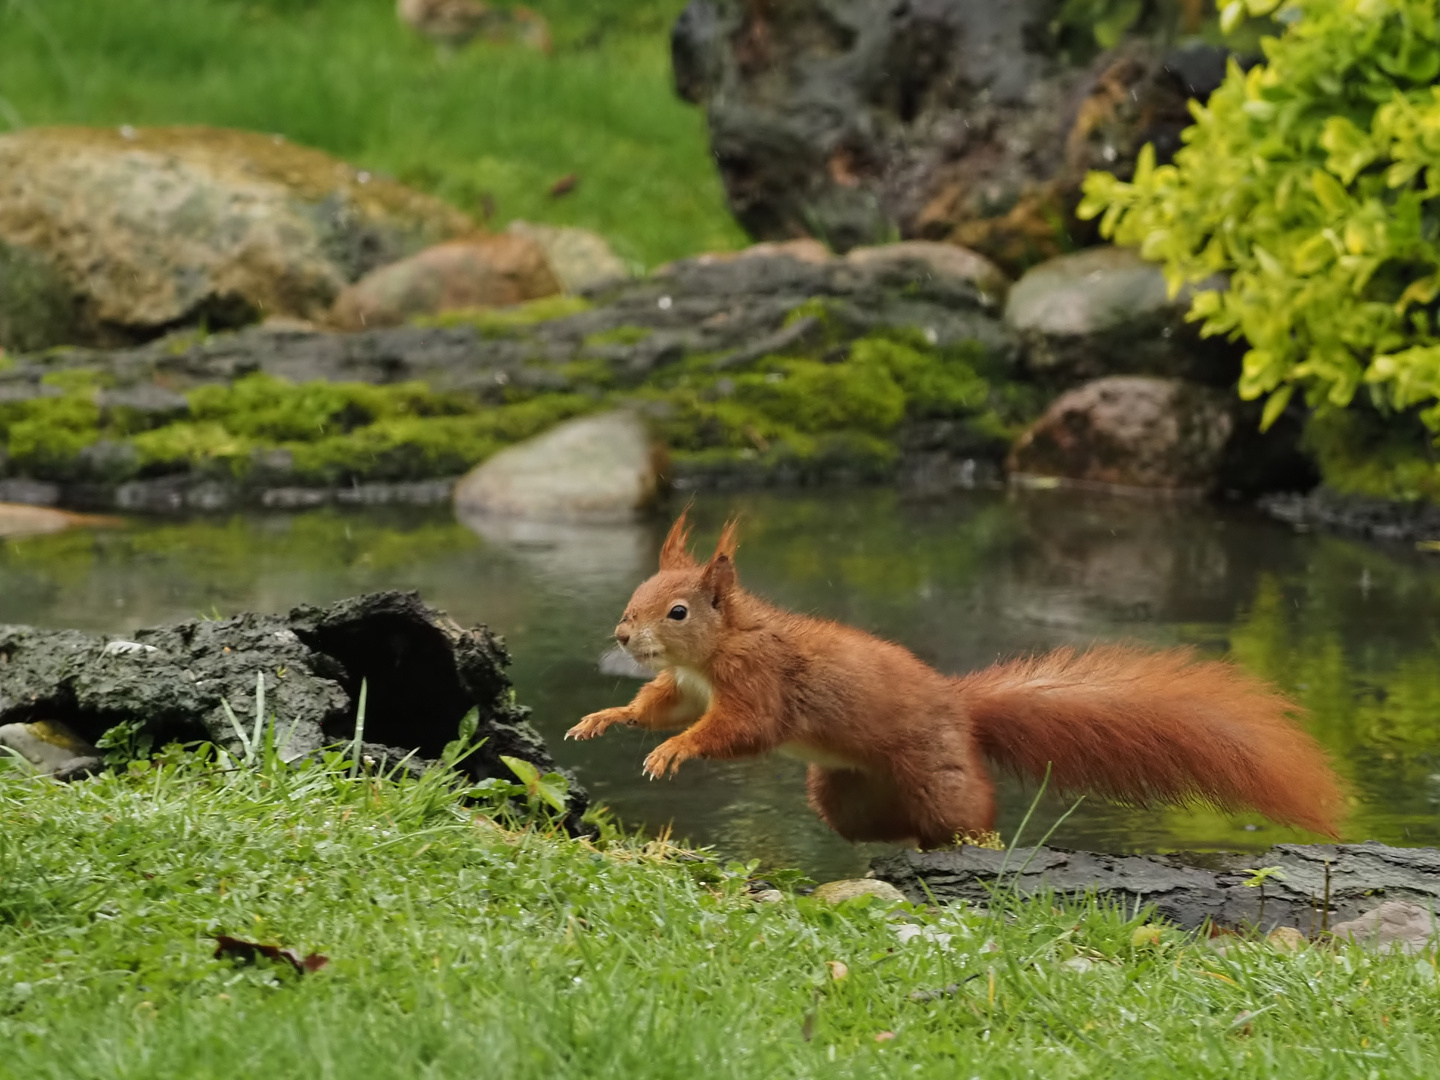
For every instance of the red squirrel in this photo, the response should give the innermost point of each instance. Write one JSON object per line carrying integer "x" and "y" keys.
{"x": 898, "y": 751}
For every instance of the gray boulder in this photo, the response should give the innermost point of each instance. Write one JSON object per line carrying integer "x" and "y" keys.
{"x": 1107, "y": 311}
{"x": 595, "y": 470}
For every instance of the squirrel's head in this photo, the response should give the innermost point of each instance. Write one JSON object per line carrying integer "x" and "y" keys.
{"x": 676, "y": 618}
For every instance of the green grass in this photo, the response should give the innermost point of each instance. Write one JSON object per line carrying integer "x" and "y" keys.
{"x": 462, "y": 947}
{"x": 493, "y": 122}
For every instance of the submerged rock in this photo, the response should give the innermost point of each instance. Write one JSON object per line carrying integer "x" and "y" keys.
{"x": 484, "y": 272}
{"x": 422, "y": 673}
{"x": 150, "y": 228}
{"x": 596, "y": 470}
{"x": 1132, "y": 431}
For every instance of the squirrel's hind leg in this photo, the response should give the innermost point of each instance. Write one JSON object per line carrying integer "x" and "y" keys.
{"x": 859, "y": 805}
{"x": 931, "y": 802}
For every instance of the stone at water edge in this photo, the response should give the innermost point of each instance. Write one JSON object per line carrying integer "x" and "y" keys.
{"x": 1107, "y": 311}
{"x": 152, "y": 228}
{"x": 598, "y": 470}
{"x": 1129, "y": 431}
{"x": 579, "y": 258}
{"x": 484, "y": 272}
{"x": 19, "y": 519}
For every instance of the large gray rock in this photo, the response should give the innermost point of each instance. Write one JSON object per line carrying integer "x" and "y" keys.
{"x": 594, "y": 470}
{"x": 1107, "y": 311}
{"x": 154, "y": 227}
{"x": 423, "y": 674}
{"x": 1130, "y": 431}
{"x": 963, "y": 120}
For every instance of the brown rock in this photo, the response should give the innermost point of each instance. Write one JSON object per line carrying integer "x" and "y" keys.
{"x": 1133, "y": 431}
{"x": 150, "y": 228}
{"x": 490, "y": 271}
{"x": 454, "y": 23}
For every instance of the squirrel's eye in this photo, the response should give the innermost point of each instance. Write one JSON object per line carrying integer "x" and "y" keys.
{"x": 678, "y": 612}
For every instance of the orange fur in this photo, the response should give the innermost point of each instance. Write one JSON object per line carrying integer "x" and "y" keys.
{"x": 898, "y": 751}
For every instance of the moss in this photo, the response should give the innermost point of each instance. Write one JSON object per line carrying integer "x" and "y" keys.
{"x": 1361, "y": 452}
{"x": 204, "y": 446}
{"x": 510, "y": 321}
{"x": 37, "y": 307}
{"x": 830, "y": 407}
{"x": 340, "y": 433}
{"x": 619, "y": 335}
{"x": 412, "y": 447}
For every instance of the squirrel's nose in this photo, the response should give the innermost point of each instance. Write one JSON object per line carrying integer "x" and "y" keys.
{"x": 622, "y": 635}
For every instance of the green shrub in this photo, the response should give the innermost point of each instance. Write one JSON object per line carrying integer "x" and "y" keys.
{"x": 1312, "y": 182}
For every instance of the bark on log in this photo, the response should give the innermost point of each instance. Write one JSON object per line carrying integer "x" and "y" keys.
{"x": 1187, "y": 889}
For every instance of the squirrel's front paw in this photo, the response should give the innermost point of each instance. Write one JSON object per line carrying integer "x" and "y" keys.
{"x": 596, "y": 723}
{"x": 666, "y": 758}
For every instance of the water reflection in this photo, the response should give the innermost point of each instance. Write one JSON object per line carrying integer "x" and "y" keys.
{"x": 1350, "y": 629}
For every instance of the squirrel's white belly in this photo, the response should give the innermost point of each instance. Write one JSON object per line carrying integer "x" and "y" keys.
{"x": 694, "y": 688}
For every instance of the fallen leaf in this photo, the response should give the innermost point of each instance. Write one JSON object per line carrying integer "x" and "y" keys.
{"x": 247, "y": 951}
{"x": 838, "y": 970}
{"x": 564, "y": 186}
{"x": 884, "y": 1036}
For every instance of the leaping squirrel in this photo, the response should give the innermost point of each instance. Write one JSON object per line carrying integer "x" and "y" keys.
{"x": 897, "y": 751}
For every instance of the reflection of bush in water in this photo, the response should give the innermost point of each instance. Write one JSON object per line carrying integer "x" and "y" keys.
{"x": 1371, "y": 689}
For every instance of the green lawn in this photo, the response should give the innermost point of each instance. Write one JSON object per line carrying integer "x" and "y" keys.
{"x": 493, "y": 122}
{"x": 461, "y": 948}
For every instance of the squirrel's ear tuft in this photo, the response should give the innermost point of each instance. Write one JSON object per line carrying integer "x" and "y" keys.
{"x": 718, "y": 578}
{"x": 675, "y": 554}
{"x": 729, "y": 539}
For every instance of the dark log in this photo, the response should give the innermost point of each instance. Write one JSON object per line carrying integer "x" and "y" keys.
{"x": 1188, "y": 889}
{"x": 421, "y": 670}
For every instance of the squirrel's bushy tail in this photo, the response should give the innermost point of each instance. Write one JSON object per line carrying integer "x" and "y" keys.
{"x": 1153, "y": 727}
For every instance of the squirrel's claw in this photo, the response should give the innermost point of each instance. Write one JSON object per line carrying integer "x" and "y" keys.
{"x": 595, "y": 724}
{"x": 664, "y": 760}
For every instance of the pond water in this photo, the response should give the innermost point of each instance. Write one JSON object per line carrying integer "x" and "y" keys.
{"x": 1350, "y": 629}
